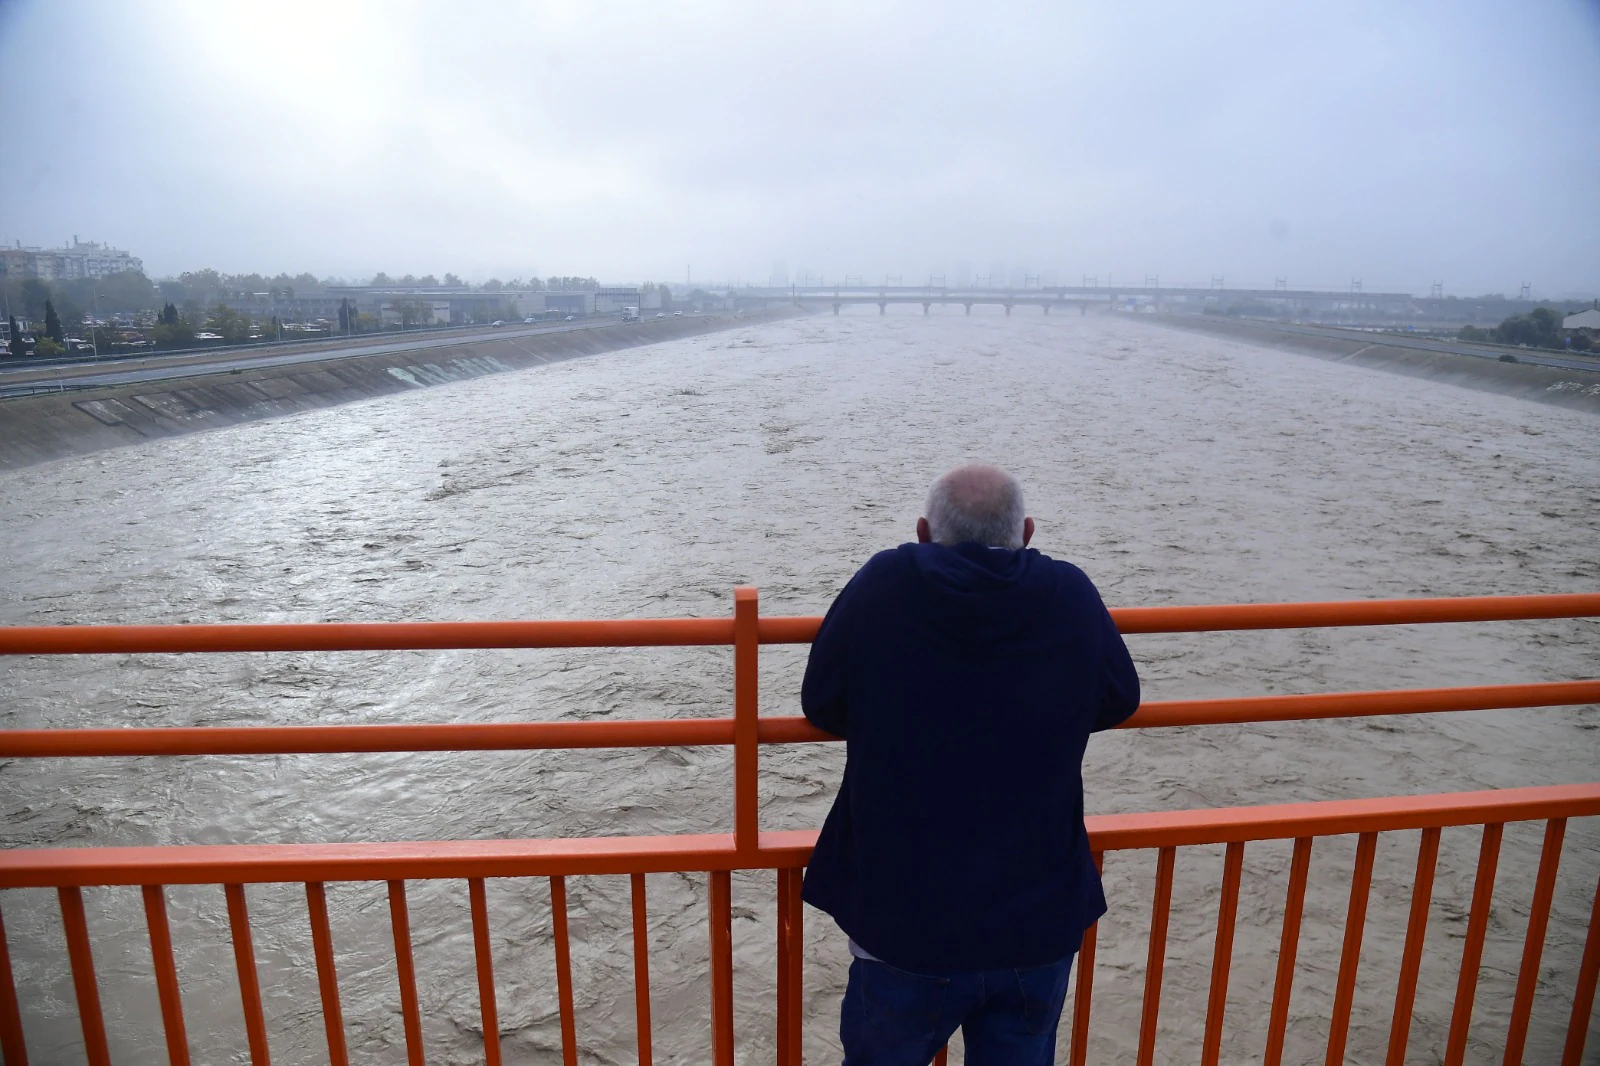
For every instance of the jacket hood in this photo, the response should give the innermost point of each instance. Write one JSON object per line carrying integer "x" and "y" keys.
{"x": 980, "y": 595}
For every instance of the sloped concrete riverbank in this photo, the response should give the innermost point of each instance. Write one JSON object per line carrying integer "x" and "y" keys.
{"x": 39, "y": 428}
{"x": 1560, "y": 387}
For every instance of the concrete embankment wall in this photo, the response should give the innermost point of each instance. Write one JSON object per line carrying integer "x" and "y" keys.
{"x": 1542, "y": 384}
{"x": 36, "y": 429}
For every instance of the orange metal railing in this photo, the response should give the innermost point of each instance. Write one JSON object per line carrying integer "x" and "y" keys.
{"x": 747, "y": 847}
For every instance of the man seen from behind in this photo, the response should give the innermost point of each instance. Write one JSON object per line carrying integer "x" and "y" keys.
{"x": 965, "y": 673}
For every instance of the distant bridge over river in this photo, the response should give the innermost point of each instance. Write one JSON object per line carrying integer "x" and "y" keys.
{"x": 1080, "y": 296}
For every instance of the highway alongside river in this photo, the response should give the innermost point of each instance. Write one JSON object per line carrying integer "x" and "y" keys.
{"x": 1497, "y": 352}
{"x": 20, "y": 379}
{"x": 1175, "y": 467}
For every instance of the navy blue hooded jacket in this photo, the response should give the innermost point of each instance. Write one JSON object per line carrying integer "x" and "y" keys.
{"x": 966, "y": 682}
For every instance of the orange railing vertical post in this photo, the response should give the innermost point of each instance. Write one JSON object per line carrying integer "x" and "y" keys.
{"x": 1083, "y": 994}
{"x": 483, "y": 953}
{"x": 641, "y": 969}
{"x": 791, "y": 933}
{"x": 1472, "y": 951}
{"x": 405, "y": 972}
{"x": 1155, "y": 964}
{"x": 155, "y": 916}
{"x": 1544, "y": 890}
{"x": 11, "y": 1042}
{"x": 244, "y": 958}
{"x": 1288, "y": 950}
{"x": 558, "y": 921}
{"x": 1405, "y": 995}
{"x": 746, "y": 727}
{"x": 721, "y": 914}
{"x": 327, "y": 973}
{"x": 1222, "y": 956}
{"x": 1583, "y": 994}
{"x": 83, "y": 978}
{"x": 1355, "y": 924}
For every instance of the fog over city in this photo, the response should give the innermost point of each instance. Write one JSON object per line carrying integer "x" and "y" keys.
{"x": 1401, "y": 144}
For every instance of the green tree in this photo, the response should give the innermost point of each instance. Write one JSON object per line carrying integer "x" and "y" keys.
{"x": 666, "y": 299}
{"x": 1539, "y": 328}
{"x": 120, "y": 293}
{"x": 52, "y": 323}
{"x": 380, "y": 278}
{"x": 33, "y": 295}
{"x": 452, "y": 281}
{"x": 232, "y": 325}
{"x": 173, "y": 331}
{"x": 14, "y": 332}
{"x": 344, "y": 315}
{"x": 105, "y": 338}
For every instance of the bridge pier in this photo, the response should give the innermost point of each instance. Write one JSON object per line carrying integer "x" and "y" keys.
{"x": 883, "y": 307}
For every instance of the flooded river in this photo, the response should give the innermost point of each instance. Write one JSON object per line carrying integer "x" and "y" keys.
{"x": 1174, "y": 468}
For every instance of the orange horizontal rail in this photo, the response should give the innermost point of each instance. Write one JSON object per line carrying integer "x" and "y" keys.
{"x": 1236, "y": 710}
{"x": 264, "y": 863}
{"x": 351, "y": 739}
{"x": 705, "y": 732}
{"x": 669, "y": 632}
{"x": 1213, "y": 618}
{"x": 364, "y": 636}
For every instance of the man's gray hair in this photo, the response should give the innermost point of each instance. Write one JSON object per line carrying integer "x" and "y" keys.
{"x": 976, "y": 504}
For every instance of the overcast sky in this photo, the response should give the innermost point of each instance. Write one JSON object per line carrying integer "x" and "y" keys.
{"x": 1401, "y": 143}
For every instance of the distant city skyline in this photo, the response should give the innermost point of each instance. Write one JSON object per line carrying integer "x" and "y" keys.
{"x": 1402, "y": 145}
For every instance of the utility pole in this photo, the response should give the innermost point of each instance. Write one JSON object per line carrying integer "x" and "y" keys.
{"x": 1526, "y": 293}
{"x": 1437, "y": 291}
{"x": 94, "y": 342}
{"x": 1280, "y": 284}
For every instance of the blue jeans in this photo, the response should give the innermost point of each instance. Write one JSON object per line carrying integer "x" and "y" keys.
{"x": 1007, "y": 1017}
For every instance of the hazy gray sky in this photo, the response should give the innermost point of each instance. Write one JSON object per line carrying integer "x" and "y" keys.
{"x": 1398, "y": 142}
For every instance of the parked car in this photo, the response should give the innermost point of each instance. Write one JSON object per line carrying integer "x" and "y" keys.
{"x": 661, "y": 314}
{"x": 530, "y": 318}
{"x": 498, "y": 322}
{"x": 208, "y": 336}
{"x": 569, "y": 318}
{"x": 677, "y": 314}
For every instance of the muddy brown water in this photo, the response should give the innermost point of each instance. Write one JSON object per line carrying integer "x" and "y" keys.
{"x": 1174, "y": 468}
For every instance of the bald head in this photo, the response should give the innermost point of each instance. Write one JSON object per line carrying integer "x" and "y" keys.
{"x": 976, "y": 504}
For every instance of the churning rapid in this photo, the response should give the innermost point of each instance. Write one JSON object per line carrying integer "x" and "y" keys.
{"x": 1174, "y": 468}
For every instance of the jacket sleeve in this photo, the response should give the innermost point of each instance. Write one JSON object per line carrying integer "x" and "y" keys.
{"x": 824, "y": 694}
{"x": 1122, "y": 680}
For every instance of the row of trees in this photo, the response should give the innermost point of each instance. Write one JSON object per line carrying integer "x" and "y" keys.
{"x": 1539, "y": 328}
{"x": 193, "y": 291}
